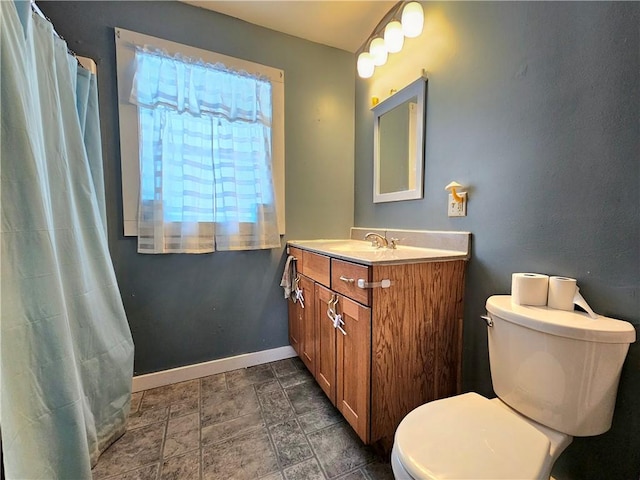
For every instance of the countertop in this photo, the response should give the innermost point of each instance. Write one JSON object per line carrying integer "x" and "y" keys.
{"x": 363, "y": 252}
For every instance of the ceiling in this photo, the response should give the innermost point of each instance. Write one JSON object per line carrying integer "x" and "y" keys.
{"x": 341, "y": 24}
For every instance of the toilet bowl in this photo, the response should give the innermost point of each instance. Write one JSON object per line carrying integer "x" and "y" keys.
{"x": 543, "y": 364}
{"x": 472, "y": 437}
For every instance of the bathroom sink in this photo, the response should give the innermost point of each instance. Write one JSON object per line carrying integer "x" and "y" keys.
{"x": 363, "y": 252}
{"x": 353, "y": 246}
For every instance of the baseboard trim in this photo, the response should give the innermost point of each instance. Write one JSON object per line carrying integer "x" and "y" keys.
{"x": 191, "y": 372}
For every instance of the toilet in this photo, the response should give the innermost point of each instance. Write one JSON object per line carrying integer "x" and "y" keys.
{"x": 556, "y": 376}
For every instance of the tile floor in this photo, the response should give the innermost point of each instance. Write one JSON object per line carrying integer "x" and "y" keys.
{"x": 270, "y": 422}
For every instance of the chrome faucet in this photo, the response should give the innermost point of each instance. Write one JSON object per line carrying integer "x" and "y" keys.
{"x": 377, "y": 240}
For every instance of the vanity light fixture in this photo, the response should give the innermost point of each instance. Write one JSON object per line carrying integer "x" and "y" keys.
{"x": 365, "y": 65}
{"x": 412, "y": 20}
{"x": 393, "y": 36}
{"x": 378, "y": 51}
{"x": 405, "y": 19}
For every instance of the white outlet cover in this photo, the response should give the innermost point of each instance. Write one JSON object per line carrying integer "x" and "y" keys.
{"x": 457, "y": 209}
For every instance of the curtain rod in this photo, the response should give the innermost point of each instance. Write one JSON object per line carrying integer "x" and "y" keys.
{"x": 85, "y": 62}
{"x": 36, "y": 9}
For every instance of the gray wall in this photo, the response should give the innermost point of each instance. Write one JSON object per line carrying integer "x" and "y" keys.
{"x": 534, "y": 106}
{"x": 185, "y": 309}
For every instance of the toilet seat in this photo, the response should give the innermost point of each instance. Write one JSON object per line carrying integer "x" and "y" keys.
{"x": 469, "y": 436}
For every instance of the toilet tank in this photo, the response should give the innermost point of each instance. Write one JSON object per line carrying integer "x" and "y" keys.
{"x": 557, "y": 367}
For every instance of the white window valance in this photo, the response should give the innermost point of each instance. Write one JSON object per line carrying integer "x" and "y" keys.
{"x": 199, "y": 88}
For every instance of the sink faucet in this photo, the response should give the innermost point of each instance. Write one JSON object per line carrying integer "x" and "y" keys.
{"x": 377, "y": 240}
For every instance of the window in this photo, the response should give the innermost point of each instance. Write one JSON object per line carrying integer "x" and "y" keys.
{"x": 141, "y": 124}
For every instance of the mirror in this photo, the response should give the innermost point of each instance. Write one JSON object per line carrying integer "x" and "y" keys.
{"x": 398, "y": 149}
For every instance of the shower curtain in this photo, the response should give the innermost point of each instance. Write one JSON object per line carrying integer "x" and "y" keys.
{"x": 66, "y": 349}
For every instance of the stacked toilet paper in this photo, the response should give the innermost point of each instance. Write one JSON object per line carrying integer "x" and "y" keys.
{"x": 529, "y": 288}
{"x": 562, "y": 292}
{"x": 536, "y": 289}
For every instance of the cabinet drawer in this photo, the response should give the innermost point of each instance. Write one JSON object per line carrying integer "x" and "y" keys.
{"x": 315, "y": 266}
{"x": 344, "y": 279}
{"x": 297, "y": 254}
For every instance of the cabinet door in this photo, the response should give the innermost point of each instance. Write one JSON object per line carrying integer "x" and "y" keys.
{"x": 326, "y": 336}
{"x": 295, "y": 326}
{"x": 354, "y": 365}
{"x": 308, "y": 337}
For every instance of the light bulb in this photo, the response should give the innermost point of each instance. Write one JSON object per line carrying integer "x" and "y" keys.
{"x": 393, "y": 37}
{"x": 412, "y": 19}
{"x": 365, "y": 65}
{"x": 378, "y": 51}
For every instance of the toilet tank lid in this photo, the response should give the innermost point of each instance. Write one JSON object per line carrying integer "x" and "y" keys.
{"x": 575, "y": 324}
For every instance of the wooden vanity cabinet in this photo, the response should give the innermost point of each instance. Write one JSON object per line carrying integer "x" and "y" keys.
{"x": 302, "y": 323}
{"x": 416, "y": 340}
{"x": 326, "y": 333}
{"x": 398, "y": 348}
{"x": 344, "y": 357}
{"x": 353, "y": 365}
{"x": 344, "y": 276}
{"x": 295, "y": 323}
{"x": 309, "y": 343}
{"x": 295, "y": 316}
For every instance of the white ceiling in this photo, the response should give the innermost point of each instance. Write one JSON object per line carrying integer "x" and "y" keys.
{"x": 340, "y": 24}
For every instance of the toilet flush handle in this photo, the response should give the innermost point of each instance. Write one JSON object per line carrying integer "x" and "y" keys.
{"x": 487, "y": 320}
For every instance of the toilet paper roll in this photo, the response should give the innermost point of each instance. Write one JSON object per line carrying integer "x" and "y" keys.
{"x": 529, "y": 288}
{"x": 562, "y": 292}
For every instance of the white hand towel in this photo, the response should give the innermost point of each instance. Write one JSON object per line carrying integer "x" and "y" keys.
{"x": 287, "y": 277}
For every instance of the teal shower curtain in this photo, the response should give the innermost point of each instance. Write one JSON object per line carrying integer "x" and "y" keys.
{"x": 65, "y": 346}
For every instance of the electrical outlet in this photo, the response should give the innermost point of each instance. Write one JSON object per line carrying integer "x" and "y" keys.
{"x": 458, "y": 209}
